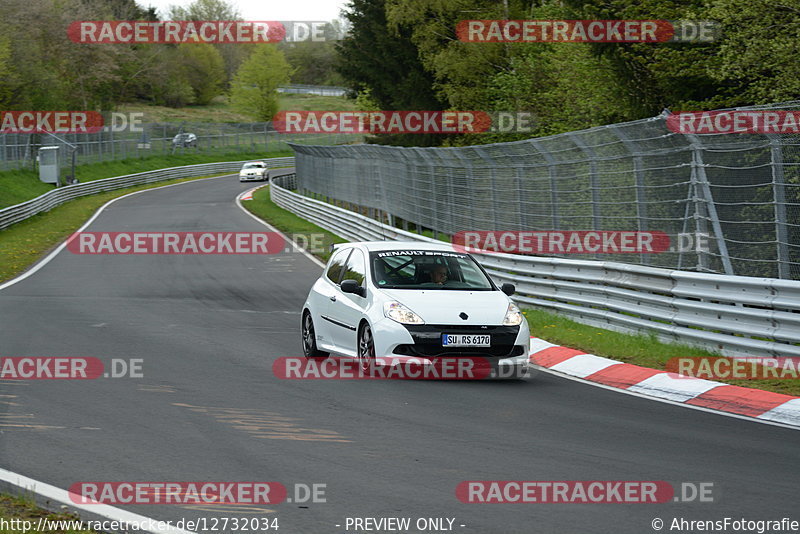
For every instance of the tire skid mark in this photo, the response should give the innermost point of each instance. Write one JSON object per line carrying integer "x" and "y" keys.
{"x": 266, "y": 425}
{"x": 157, "y": 388}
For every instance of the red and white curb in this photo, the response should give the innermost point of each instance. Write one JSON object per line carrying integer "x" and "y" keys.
{"x": 247, "y": 195}
{"x": 696, "y": 392}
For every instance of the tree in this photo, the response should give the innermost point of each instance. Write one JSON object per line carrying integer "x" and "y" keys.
{"x": 461, "y": 72}
{"x": 384, "y": 60}
{"x": 47, "y": 70}
{"x": 205, "y": 10}
{"x": 233, "y": 54}
{"x": 655, "y": 76}
{"x": 314, "y": 63}
{"x": 7, "y": 74}
{"x": 254, "y": 87}
{"x": 760, "y": 48}
{"x": 203, "y": 69}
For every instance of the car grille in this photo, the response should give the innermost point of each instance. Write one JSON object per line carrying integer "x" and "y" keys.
{"x": 428, "y": 341}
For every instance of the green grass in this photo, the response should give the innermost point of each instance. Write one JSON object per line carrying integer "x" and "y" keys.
{"x": 293, "y": 102}
{"x": 23, "y": 508}
{"x": 21, "y": 185}
{"x": 643, "y": 350}
{"x": 220, "y": 110}
{"x": 25, "y": 242}
{"x": 287, "y": 222}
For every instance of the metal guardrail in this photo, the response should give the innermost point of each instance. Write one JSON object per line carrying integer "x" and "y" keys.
{"x": 734, "y": 315}
{"x": 322, "y": 90}
{"x": 51, "y": 199}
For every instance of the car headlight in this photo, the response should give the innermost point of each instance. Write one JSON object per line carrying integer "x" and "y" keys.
{"x": 513, "y": 316}
{"x": 401, "y": 314}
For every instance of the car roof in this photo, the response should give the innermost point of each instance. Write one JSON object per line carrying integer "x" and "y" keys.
{"x": 373, "y": 246}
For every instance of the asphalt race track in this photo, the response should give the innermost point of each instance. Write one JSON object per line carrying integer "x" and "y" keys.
{"x": 210, "y": 409}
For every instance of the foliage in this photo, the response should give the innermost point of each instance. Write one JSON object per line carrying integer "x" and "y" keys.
{"x": 254, "y": 86}
{"x": 204, "y": 70}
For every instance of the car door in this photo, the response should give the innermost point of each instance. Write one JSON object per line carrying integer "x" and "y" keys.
{"x": 327, "y": 292}
{"x": 348, "y": 309}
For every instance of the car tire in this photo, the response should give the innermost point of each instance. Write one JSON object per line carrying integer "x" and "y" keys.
{"x": 309, "y": 338}
{"x": 366, "y": 349}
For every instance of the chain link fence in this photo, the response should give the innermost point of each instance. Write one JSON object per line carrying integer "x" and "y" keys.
{"x": 740, "y": 193}
{"x": 20, "y": 150}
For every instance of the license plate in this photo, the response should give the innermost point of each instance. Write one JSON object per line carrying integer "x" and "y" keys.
{"x": 466, "y": 340}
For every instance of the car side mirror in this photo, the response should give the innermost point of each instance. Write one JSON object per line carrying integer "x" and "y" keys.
{"x": 351, "y": 286}
{"x": 508, "y": 289}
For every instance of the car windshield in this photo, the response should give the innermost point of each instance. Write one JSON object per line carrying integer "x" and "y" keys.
{"x": 427, "y": 269}
{"x": 253, "y": 166}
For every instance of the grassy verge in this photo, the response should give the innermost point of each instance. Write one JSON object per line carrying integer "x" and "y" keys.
{"x": 220, "y": 109}
{"x": 21, "y": 185}
{"x": 14, "y": 511}
{"x": 289, "y": 223}
{"x": 643, "y": 350}
{"x": 296, "y": 102}
{"x": 25, "y": 242}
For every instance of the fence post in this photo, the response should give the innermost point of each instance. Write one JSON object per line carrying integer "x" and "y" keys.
{"x": 703, "y": 187}
{"x": 594, "y": 187}
{"x": 779, "y": 199}
{"x": 551, "y": 168}
{"x": 638, "y": 174}
{"x": 492, "y": 165}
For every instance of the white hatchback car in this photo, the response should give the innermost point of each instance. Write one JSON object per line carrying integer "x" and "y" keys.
{"x": 409, "y": 300}
{"x": 253, "y": 171}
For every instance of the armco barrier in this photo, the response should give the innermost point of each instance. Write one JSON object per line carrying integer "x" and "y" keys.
{"x": 20, "y": 212}
{"x": 734, "y": 315}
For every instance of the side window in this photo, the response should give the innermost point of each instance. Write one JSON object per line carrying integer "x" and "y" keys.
{"x": 336, "y": 266}
{"x": 356, "y": 268}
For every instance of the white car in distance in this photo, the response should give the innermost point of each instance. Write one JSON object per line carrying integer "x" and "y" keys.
{"x": 254, "y": 171}
{"x": 396, "y": 301}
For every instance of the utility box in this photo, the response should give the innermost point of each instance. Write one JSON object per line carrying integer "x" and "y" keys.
{"x": 144, "y": 141}
{"x": 48, "y": 165}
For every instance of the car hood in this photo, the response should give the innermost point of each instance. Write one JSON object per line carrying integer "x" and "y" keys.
{"x": 440, "y": 306}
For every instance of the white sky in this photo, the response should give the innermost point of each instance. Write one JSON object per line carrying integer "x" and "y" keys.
{"x": 318, "y": 10}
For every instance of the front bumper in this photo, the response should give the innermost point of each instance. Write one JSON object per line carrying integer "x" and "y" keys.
{"x": 507, "y": 357}
{"x": 251, "y": 178}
